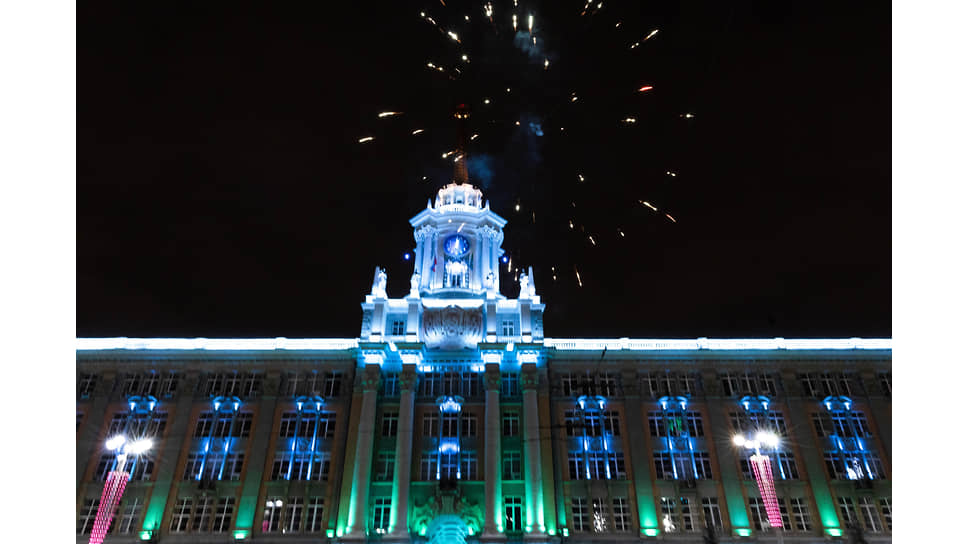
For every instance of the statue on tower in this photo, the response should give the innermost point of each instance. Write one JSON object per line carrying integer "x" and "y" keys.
{"x": 379, "y": 289}
{"x": 415, "y": 283}
{"x": 525, "y": 288}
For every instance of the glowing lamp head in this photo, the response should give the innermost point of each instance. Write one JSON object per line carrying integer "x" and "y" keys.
{"x": 278, "y": 503}
{"x": 772, "y": 440}
{"x": 138, "y": 447}
{"x": 739, "y": 440}
{"x": 115, "y": 442}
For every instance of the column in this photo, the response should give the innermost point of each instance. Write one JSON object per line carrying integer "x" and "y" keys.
{"x": 360, "y": 496}
{"x": 492, "y": 450}
{"x": 256, "y": 451}
{"x": 639, "y": 454}
{"x": 401, "y": 476}
{"x": 534, "y": 509}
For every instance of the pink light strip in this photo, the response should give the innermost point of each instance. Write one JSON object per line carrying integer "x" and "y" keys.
{"x": 110, "y": 497}
{"x": 763, "y": 470}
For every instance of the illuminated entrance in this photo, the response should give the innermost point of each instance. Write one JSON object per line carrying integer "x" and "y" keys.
{"x": 447, "y": 529}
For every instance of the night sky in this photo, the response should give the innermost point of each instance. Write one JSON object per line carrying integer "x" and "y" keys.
{"x": 222, "y": 190}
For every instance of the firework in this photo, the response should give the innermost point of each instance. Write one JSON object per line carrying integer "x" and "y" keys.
{"x": 644, "y": 203}
{"x": 418, "y": 131}
{"x": 645, "y": 88}
{"x": 629, "y": 120}
{"x": 530, "y": 23}
{"x": 546, "y": 64}
{"x": 687, "y": 116}
{"x": 668, "y": 173}
{"x": 581, "y": 177}
{"x": 389, "y": 114}
{"x": 473, "y": 137}
{"x": 366, "y": 139}
{"x": 578, "y": 276}
{"x": 673, "y": 219}
{"x": 514, "y": 22}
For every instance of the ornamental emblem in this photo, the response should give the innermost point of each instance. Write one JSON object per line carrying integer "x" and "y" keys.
{"x": 452, "y": 327}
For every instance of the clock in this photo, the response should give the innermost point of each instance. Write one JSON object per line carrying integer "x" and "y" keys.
{"x": 456, "y": 246}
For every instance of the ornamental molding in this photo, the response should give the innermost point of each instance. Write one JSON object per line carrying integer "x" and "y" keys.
{"x": 452, "y": 327}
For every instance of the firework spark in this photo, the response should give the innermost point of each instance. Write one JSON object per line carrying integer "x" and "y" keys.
{"x": 389, "y": 114}
{"x": 366, "y": 139}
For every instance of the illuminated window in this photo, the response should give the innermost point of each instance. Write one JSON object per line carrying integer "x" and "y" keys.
{"x": 130, "y": 515}
{"x": 711, "y": 514}
{"x": 468, "y": 425}
{"x": 428, "y": 466}
{"x": 507, "y": 327}
{"x": 616, "y": 464}
{"x": 272, "y": 515}
{"x": 788, "y": 466}
{"x": 299, "y": 466}
{"x": 676, "y": 514}
{"x": 292, "y": 515}
{"x": 85, "y": 521}
{"x": 613, "y": 423}
{"x": 801, "y": 514}
{"x": 510, "y": 423}
{"x": 579, "y": 514}
{"x": 381, "y": 514}
{"x": 397, "y": 327}
{"x": 868, "y": 512}
{"x": 694, "y": 423}
{"x": 657, "y": 424}
{"x": 222, "y": 521}
{"x": 390, "y": 419}
{"x": 223, "y": 425}
{"x": 142, "y": 384}
{"x": 468, "y": 465}
{"x": 758, "y": 514}
{"x": 512, "y": 465}
{"x": 85, "y": 388}
{"x": 181, "y": 515}
{"x": 747, "y": 383}
{"x": 314, "y": 514}
{"x": 202, "y": 518}
{"x": 391, "y": 384}
{"x": 620, "y": 514}
{"x": 384, "y": 466}
{"x": 512, "y": 514}
{"x": 510, "y": 385}
{"x": 599, "y": 515}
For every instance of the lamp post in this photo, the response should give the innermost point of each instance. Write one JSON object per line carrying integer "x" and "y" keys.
{"x": 115, "y": 483}
{"x": 763, "y": 472}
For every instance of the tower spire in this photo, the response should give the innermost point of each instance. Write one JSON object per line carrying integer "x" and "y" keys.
{"x": 460, "y": 162}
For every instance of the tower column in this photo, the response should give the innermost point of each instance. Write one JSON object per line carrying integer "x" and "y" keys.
{"x": 360, "y": 495}
{"x": 492, "y": 449}
{"x": 399, "y": 522}
{"x": 534, "y": 511}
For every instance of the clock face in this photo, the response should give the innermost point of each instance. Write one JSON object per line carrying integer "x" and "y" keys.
{"x": 456, "y": 246}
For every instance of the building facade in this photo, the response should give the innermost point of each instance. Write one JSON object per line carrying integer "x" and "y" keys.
{"x": 453, "y": 419}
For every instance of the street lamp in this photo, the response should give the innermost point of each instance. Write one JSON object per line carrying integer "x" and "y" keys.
{"x": 763, "y": 471}
{"x": 115, "y": 483}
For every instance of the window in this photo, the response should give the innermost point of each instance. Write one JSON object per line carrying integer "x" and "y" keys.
{"x": 676, "y": 514}
{"x": 510, "y": 423}
{"x": 468, "y": 465}
{"x": 512, "y": 465}
{"x": 390, "y": 418}
{"x": 468, "y": 425}
{"x": 272, "y": 516}
{"x": 596, "y": 465}
{"x": 761, "y": 521}
{"x": 573, "y": 423}
{"x": 886, "y": 512}
{"x": 576, "y": 465}
{"x": 428, "y": 466}
{"x": 507, "y": 327}
{"x": 847, "y": 513}
{"x": 868, "y": 511}
{"x": 85, "y": 520}
{"x": 169, "y": 384}
{"x": 703, "y": 467}
{"x": 801, "y": 514}
{"x": 512, "y": 514}
{"x": 223, "y": 515}
{"x": 680, "y": 465}
{"x": 613, "y": 424}
{"x": 448, "y": 466}
{"x": 710, "y": 511}
{"x": 694, "y": 423}
{"x": 510, "y": 386}
{"x": 292, "y": 515}
{"x": 381, "y": 514}
{"x": 391, "y": 384}
{"x": 620, "y": 514}
{"x": 202, "y": 519}
{"x": 131, "y": 515}
{"x": 430, "y": 424}
{"x": 384, "y": 466}
{"x": 448, "y": 424}
{"x": 331, "y": 386}
{"x": 314, "y": 515}
{"x": 599, "y": 516}
{"x": 616, "y": 465}
{"x": 180, "y": 515}
{"x": 593, "y": 423}
{"x": 657, "y": 424}
{"x": 397, "y": 327}
{"x": 608, "y": 384}
{"x": 85, "y": 388}
{"x": 884, "y": 378}
{"x": 570, "y": 385}
{"x": 579, "y": 514}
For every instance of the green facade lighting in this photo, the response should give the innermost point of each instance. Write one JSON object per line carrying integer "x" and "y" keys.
{"x": 330, "y": 533}
{"x": 423, "y": 531}
{"x": 564, "y": 532}
{"x": 339, "y": 532}
{"x": 145, "y": 535}
{"x": 240, "y": 534}
{"x": 651, "y": 531}
{"x": 551, "y": 532}
{"x": 834, "y": 531}
{"x": 744, "y": 531}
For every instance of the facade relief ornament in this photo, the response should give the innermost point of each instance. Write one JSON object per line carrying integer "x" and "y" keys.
{"x": 370, "y": 379}
{"x": 492, "y": 379}
{"x": 408, "y": 378}
{"x": 529, "y": 377}
{"x": 421, "y": 234}
{"x": 452, "y": 327}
